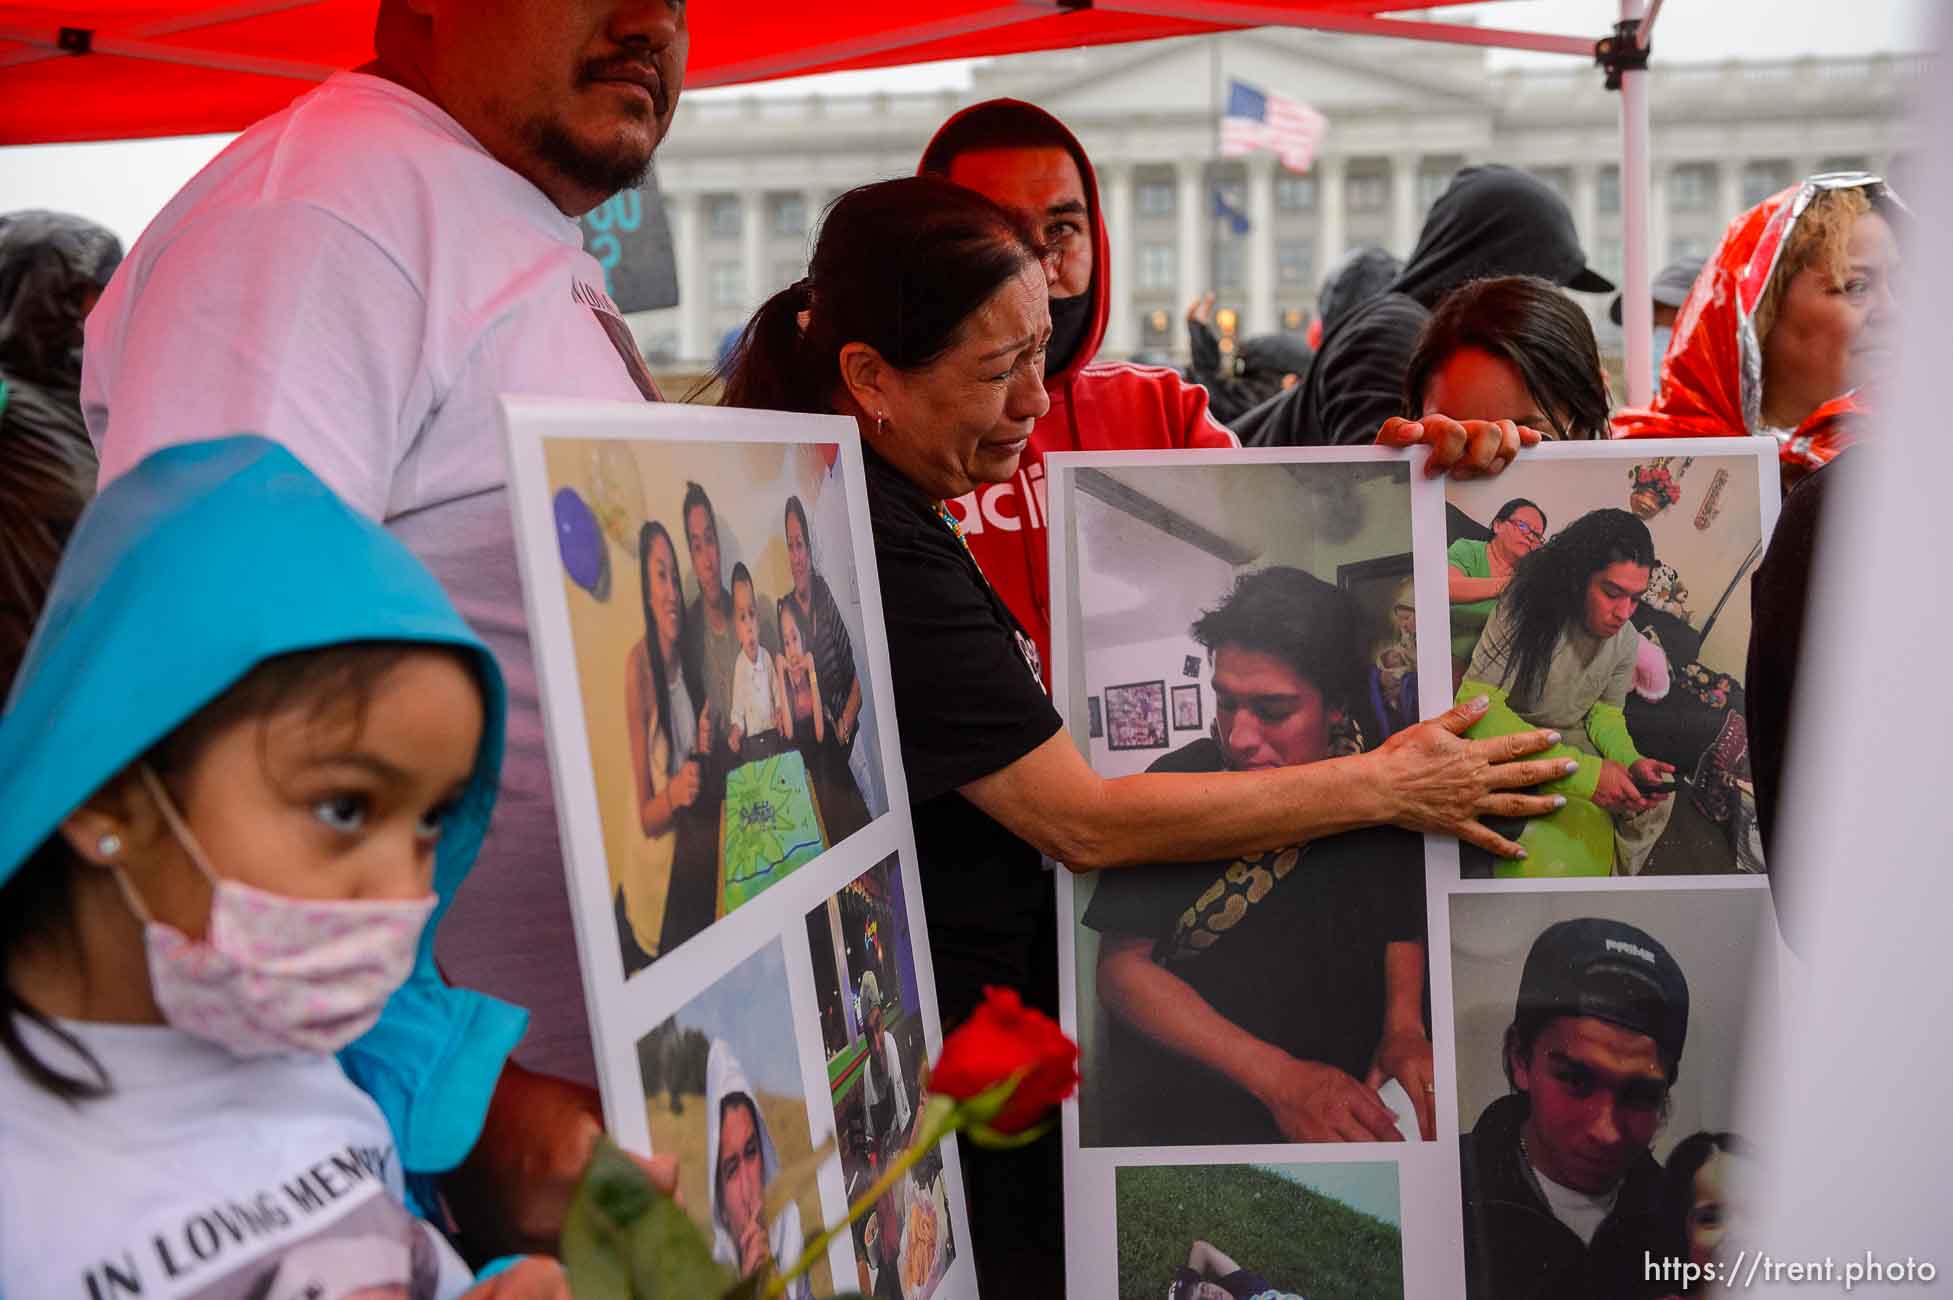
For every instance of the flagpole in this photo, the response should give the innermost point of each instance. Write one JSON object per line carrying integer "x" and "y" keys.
{"x": 1214, "y": 81}
{"x": 1208, "y": 190}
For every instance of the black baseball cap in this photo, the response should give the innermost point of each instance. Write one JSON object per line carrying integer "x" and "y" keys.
{"x": 1611, "y": 971}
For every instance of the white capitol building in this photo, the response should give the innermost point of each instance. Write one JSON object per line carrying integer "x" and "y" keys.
{"x": 744, "y": 178}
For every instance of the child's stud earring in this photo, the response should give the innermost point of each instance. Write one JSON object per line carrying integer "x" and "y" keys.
{"x": 109, "y": 845}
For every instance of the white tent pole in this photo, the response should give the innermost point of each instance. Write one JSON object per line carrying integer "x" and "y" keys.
{"x": 1637, "y": 309}
{"x": 1648, "y": 23}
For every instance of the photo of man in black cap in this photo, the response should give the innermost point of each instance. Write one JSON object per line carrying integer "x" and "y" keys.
{"x": 1562, "y": 1196}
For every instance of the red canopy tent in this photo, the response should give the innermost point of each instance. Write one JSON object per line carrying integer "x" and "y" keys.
{"x": 122, "y": 69}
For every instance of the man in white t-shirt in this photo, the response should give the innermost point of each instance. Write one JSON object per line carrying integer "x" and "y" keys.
{"x": 359, "y": 277}
{"x": 884, "y": 1090}
{"x": 1562, "y": 1196}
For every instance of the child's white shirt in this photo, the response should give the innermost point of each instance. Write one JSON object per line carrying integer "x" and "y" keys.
{"x": 752, "y": 693}
{"x": 201, "y": 1176}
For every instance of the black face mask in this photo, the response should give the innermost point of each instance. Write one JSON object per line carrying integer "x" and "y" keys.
{"x": 1070, "y": 319}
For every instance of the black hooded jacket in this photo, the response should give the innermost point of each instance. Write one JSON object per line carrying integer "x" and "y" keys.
{"x": 1490, "y": 221}
{"x": 1358, "y": 276}
{"x": 1515, "y": 1249}
{"x": 48, "y": 264}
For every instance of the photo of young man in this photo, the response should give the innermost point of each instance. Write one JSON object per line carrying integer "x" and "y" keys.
{"x": 1562, "y": 1195}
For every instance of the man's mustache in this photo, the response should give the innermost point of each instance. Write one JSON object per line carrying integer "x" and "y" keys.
{"x": 643, "y": 72}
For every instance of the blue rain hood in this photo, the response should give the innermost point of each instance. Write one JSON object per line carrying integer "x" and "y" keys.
{"x": 183, "y": 575}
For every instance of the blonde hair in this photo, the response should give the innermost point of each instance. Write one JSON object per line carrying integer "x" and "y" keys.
{"x": 1821, "y": 238}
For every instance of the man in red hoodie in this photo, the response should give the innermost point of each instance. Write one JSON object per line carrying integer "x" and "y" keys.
{"x": 1024, "y": 158}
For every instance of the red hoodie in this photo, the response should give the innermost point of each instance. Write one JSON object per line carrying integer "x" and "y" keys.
{"x": 1108, "y": 406}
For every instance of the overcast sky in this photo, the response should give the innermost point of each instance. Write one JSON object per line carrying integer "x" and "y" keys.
{"x": 123, "y": 185}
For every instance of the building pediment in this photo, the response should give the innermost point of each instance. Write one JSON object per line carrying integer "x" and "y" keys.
{"x": 1187, "y": 77}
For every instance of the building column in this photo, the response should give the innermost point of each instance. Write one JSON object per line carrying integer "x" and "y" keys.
{"x": 1403, "y": 204}
{"x": 1729, "y": 191}
{"x": 1329, "y": 213}
{"x": 1115, "y": 192}
{"x": 685, "y": 214}
{"x": 1586, "y": 205}
{"x": 752, "y": 245}
{"x": 1196, "y": 258}
{"x": 1657, "y": 216}
{"x": 814, "y": 199}
{"x": 1258, "y": 266}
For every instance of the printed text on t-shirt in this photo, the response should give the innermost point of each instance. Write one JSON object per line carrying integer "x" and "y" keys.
{"x": 206, "y": 1236}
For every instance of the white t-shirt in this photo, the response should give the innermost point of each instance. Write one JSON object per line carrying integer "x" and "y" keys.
{"x": 204, "y": 1177}
{"x": 1581, "y": 1211}
{"x": 892, "y": 1060}
{"x": 753, "y": 710}
{"x": 358, "y": 279}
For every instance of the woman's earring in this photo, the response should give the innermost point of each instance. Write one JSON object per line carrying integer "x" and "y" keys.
{"x": 880, "y": 422}
{"x": 109, "y": 845}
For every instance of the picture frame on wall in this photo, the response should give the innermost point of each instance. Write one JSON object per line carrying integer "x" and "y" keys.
{"x": 1097, "y": 717}
{"x": 1135, "y": 716}
{"x": 1186, "y": 708}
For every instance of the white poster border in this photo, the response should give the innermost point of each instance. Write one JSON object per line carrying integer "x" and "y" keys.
{"x": 1430, "y": 1221}
{"x": 623, "y": 1010}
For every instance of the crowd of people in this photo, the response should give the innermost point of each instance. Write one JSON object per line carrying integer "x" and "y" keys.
{"x": 276, "y": 682}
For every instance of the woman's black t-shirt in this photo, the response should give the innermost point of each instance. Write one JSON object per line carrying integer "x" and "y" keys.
{"x": 969, "y": 701}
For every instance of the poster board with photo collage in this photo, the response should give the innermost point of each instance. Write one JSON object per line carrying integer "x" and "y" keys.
{"x": 1259, "y": 1149}
{"x": 707, "y": 626}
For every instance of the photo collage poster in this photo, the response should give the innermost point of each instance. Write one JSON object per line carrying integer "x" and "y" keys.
{"x": 1296, "y": 1065}
{"x": 714, "y": 677}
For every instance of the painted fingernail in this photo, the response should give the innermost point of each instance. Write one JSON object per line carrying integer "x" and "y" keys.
{"x": 1572, "y": 766}
{"x": 1520, "y": 854}
{"x": 1480, "y": 701}
{"x": 1559, "y": 801}
{"x": 1552, "y": 737}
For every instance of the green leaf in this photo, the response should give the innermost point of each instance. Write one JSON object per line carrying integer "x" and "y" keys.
{"x": 623, "y": 1239}
{"x": 989, "y": 1103}
{"x": 985, "y": 1136}
{"x": 592, "y": 1253}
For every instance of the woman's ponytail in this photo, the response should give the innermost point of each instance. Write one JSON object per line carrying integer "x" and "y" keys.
{"x": 766, "y": 368}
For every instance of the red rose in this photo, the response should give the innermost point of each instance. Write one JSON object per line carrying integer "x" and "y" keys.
{"x": 1001, "y": 1038}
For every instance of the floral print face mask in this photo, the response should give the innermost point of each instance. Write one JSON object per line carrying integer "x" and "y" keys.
{"x": 275, "y": 974}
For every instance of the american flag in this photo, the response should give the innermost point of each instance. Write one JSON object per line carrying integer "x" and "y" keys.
{"x": 1256, "y": 120}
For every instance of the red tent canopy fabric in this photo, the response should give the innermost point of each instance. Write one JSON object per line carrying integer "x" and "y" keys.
{"x": 132, "y": 69}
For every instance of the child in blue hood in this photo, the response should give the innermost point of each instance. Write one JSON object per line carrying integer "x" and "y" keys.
{"x": 250, "y": 754}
